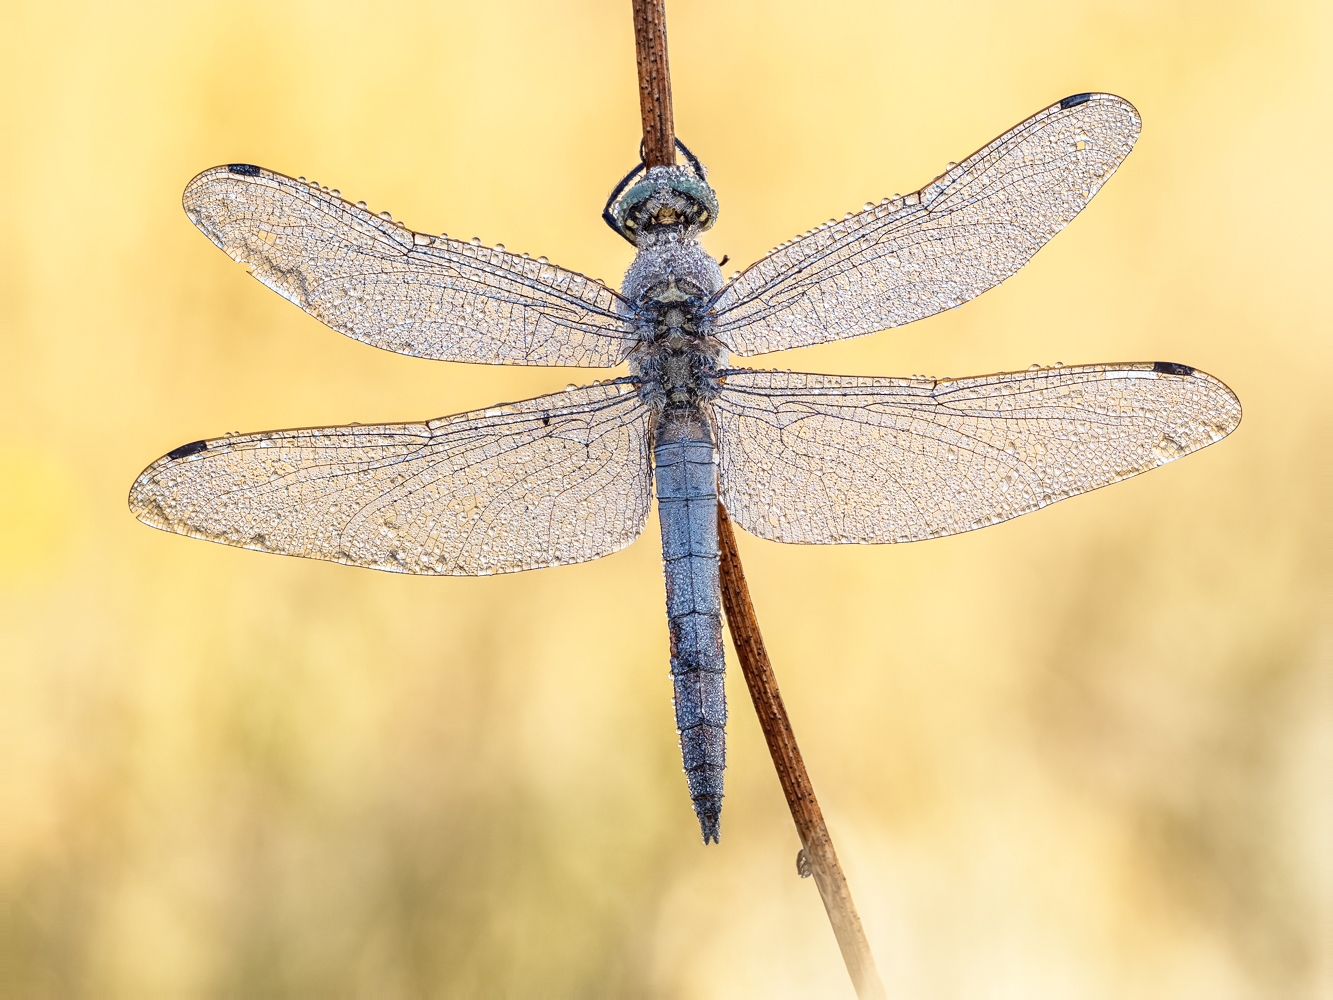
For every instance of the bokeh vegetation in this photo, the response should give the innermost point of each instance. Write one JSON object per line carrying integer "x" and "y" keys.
{"x": 1084, "y": 753}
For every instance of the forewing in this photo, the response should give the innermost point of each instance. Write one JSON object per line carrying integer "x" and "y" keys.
{"x": 548, "y": 481}
{"x": 911, "y": 257}
{"x": 831, "y": 458}
{"x": 385, "y": 285}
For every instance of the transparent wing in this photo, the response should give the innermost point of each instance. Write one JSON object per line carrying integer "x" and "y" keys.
{"x": 831, "y": 458}
{"x": 384, "y": 285}
{"x": 907, "y": 258}
{"x": 552, "y": 480}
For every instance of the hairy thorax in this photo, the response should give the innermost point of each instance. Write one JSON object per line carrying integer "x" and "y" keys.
{"x": 669, "y": 285}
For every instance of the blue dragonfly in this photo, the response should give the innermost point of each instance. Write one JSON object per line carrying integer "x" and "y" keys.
{"x": 570, "y": 476}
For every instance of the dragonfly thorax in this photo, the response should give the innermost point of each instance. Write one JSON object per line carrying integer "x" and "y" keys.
{"x": 670, "y": 286}
{"x": 678, "y": 371}
{"x": 671, "y": 273}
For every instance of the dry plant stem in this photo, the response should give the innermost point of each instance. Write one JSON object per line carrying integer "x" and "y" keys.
{"x": 650, "y": 46}
{"x": 796, "y": 785}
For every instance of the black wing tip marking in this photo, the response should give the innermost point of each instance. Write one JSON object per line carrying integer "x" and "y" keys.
{"x": 1171, "y": 368}
{"x": 1074, "y": 100}
{"x": 186, "y": 450}
{"x": 244, "y": 169}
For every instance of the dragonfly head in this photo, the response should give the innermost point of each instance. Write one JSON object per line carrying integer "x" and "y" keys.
{"x": 674, "y": 200}
{"x": 667, "y": 200}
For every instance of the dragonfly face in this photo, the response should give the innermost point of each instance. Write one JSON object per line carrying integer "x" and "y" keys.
{"x": 803, "y": 458}
{"x": 674, "y": 200}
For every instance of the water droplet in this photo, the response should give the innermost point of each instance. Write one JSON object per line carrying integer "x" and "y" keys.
{"x": 846, "y": 216}
{"x": 475, "y": 241}
{"x": 868, "y": 206}
{"x": 570, "y": 387}
{"x": 386, "y": 216}
{"x": 1034, "y": 367}
{"x": 325, "y": 189}
{"x": 361, "y": 204}
{"x": 542, "y": 260}
{"x": 301, "y": 179}
{"x": 950, "y": 165}
{"x": 336, "y": 193}
{"x": 500, "y": 247}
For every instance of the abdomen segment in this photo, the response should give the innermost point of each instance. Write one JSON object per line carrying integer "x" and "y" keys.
{"x": 687, "y": 507}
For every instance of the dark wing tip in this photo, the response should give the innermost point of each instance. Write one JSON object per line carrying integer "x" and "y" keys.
{"x": 1074, "y": 100}
{"x": 1171, "y": 368}
{"x": 244, "y": 169}
{"x": 186, "y": 450}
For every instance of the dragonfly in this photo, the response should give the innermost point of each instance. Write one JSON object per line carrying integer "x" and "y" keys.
{"x": 793, "y": 457}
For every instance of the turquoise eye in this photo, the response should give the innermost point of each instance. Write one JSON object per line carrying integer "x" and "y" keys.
{"x": 629, "y": 205}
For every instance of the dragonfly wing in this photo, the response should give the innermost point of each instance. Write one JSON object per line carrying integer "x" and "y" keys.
{"x": 385, "y": 285}
{"x": 965, "y": 232}
{"x": 558, "y": 479}
{"x": 830, "y": 458}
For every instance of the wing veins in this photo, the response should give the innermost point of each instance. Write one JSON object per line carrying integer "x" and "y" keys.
{"x": 887, "y": 265}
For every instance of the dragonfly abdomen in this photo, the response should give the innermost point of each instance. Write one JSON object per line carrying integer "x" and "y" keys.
{"x": 687, "y": 509}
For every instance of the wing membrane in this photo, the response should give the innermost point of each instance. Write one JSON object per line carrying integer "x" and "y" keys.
{"x": 963, "y": 233}
{"x": 829, "y": 458}
{"x": 557, "y": 479}
{"x": 384, "y": 285}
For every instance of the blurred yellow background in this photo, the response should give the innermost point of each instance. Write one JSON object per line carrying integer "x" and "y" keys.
{"x": 1081, "y": 754}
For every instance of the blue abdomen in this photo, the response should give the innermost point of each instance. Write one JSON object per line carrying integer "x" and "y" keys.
{"x": 687, "y": 508}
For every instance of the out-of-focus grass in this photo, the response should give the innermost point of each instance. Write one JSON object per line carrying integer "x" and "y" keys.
{"x": 1080, "y": 754}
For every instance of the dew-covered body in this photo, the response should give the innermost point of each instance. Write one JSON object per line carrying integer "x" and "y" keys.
{"x": 669, "y": 286}
{"x": 686, "y": 473}
{"x": 571, "y": 476}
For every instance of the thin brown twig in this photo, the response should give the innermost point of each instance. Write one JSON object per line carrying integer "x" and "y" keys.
{"x": 650, "y": 46}
{"x": 816, "y": 844}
